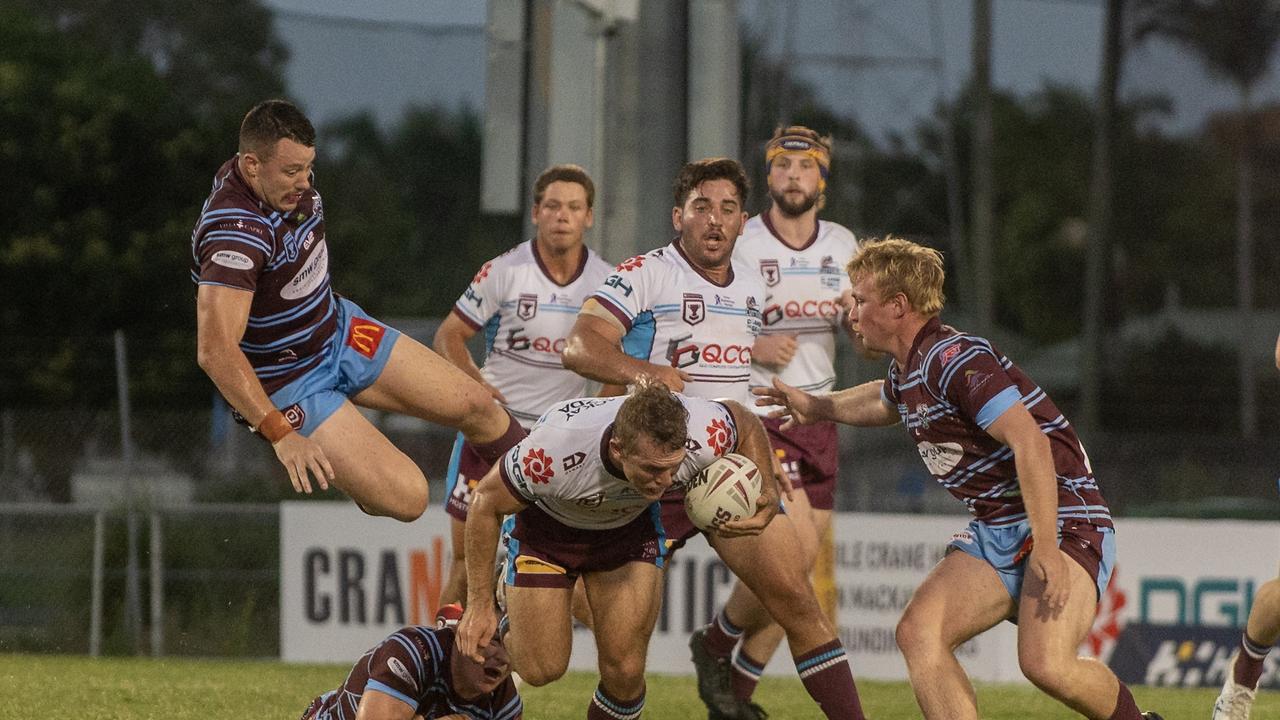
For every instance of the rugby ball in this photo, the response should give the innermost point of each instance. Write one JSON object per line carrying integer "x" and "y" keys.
{"x": 725, "y": 490}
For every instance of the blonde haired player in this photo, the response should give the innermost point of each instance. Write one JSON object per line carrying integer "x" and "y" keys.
{"x": 801, "y": 260}
{"x": 1040, "y": 546}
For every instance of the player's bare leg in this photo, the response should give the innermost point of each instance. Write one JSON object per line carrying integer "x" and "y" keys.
{"x": 541, "y": 635}
{"x": 1239, "y": 690}
{"x": 1048, "y": 646}
{"x": 420, "y": 383}
{"x": 627, "y": 598}
{"x": 961, "y": 598}
{"x": 762, "y": 635}
{"x": 455, "y": 585}
{"x": 368, "y": 468}
{"x": 771, "y": 565}
{"x": 581, "y": 608}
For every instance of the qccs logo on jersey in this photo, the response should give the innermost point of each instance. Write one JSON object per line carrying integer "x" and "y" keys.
{"x": 694, "y": 309}
{"x": 538, "y": 466}
{"x": 527, "y": 306}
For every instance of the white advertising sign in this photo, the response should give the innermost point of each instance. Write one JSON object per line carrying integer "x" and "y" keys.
{"x": 348, "y": 580}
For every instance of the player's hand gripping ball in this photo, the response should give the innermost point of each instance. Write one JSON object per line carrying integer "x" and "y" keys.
{"x": 725, "y": 490}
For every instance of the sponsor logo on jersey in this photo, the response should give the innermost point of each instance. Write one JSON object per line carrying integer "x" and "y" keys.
{"x": 631, "y": 263}
{"x": 527, "y": 306}
{"x": 722, "y": 301}
{"x": 616, "y": 282}
{"x": 574, "y": 407}
{"x": 941, "y": 458}
{"x": 717, "y": 354}
{"x": 592, "y": 500}
{"x": 517, "y": 342}
{"x": 949, "y": 353}
{"x": 692, "y": 446}
{"x": 574, "y": 460}
{"x": 538, "y": 466}
{"x": 310, "y": 277}
{"x": 232, "y": 259}
{"x": 770, "y": 271}
{"x": 718, "y": 436}
{"x": 482, "y": 273}
{"x": 922, "y": 412}
{"x": 682, "y": 351}
{"x": 694, "y": 308}
{"x": 311, "y": 238}
{"x": 402, "y": 672}
{"x": 365, "y": 336}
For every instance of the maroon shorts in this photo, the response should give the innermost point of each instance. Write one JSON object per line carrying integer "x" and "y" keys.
{"x": 810, "y": 457}
{"x": 466, "y": 468}
{"x": 543, "y": 552}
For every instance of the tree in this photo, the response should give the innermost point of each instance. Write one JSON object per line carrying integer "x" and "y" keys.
{"x": 1236, "y": 39}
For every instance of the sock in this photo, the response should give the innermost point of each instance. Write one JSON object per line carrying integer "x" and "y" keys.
{"x": 1126, "y": 708}
{"x": 746, "y": 675}
{"x": 606, "y": 707}
{"x": 1248, "y": 667}
{"x": 722, "y": 636}
{"x": 825, "y": 673}
{"x": 493, "y": 450}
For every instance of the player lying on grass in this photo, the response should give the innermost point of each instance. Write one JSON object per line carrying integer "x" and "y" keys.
{"x": 1040, "y": 547}
{"x": 420, "y": 672}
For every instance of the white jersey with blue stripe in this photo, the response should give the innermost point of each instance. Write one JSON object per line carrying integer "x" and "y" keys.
{"x": 674, "y": 315}
{"x": 526, "y": 316}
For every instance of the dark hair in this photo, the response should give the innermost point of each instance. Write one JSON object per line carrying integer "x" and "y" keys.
{"x": 564, "y": 173}
{"x": 653, "y": 410}
{"x": 699, "y": 171}
{"x": 271, "y": 121}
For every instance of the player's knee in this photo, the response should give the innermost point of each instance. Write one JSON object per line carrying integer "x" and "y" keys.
{"x": 1044, "y": 672}
{"x": 541, "y": 671}
{"x": 409, "y": 504}
{"x": 911, "y": 634}
{"x": 624, "y": 674}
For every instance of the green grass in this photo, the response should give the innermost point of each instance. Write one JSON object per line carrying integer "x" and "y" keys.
{"x": 55, "y": 686}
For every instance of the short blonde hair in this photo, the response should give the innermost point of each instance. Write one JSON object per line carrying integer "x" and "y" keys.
{"x": 901, "y": 266}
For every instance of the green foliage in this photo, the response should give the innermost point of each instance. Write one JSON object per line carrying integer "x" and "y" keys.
{"x": 404, "y": 221}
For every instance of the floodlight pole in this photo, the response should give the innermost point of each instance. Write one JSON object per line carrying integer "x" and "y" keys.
{"x": 133, "y": 609}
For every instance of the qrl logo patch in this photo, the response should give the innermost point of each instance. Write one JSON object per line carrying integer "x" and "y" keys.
{"x": 365, "y": 336}
{"x": 296, "y": 416}
{"x": 527, "y": 306}
{"x": 694, "y": 309}
{"x": 771, "y": 272}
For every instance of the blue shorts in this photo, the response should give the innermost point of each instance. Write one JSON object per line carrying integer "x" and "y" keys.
{"x": 354, "y": 359}
{"x": 1001, "y": 547}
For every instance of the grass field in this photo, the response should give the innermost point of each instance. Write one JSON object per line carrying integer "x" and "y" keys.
{"x": 50, "y": 687}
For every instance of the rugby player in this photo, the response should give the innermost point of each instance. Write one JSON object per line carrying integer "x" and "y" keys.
{"x": 291, "y": 357}
{"x": 583, "y": 487}
{"x": 1261, "y": 633}
{"x": 420, "y": 672}
{"x": 1040, "y": 547}
{"x": 526, "y": 301}
{"x": 801, "y": 260}
{"x": 687, "y": 314}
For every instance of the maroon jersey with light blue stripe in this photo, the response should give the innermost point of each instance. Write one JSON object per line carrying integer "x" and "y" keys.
{"x": 412, "y": 665}
{"x": 283, "y": 260}
{"x": 954, "y": 386}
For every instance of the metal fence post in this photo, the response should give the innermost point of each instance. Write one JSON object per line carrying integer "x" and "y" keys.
{"x": 95, "y": 590}
{"x": 157, "y": 586}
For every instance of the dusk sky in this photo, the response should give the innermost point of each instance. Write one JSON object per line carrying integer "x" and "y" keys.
{"x": 382, "y": 55}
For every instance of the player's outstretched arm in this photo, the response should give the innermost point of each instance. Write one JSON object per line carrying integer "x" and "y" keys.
{"x": 222, "y": 313}
{"x": 375, "y": 705}
{"x": 491, "y": 501}
{"x": 451, "y": 344}
{"x": 1037, "y": 479}
{"x": 594, "y": 351}
{"x": 753, "y": 442}
{"x": 860, "y": 405}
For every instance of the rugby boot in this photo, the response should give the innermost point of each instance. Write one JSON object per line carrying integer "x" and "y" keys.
{"x": 1235, "y": 701}
{"x": 714, "y": 684}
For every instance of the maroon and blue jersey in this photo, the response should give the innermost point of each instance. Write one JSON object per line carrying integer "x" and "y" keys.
{"x": 953, "y": 388}
{"x": 282, "y": 258}
{"x": 412, "y": 665}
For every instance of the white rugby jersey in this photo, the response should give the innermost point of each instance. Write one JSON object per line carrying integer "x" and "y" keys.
{"x": 561, "y": 467}
{"x": 802, "y": 287}
{"x": 526, "y": 317}
{"x": 674, "y": 315}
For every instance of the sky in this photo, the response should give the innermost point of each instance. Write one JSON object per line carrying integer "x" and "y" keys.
{"x": 382, "y": 55}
